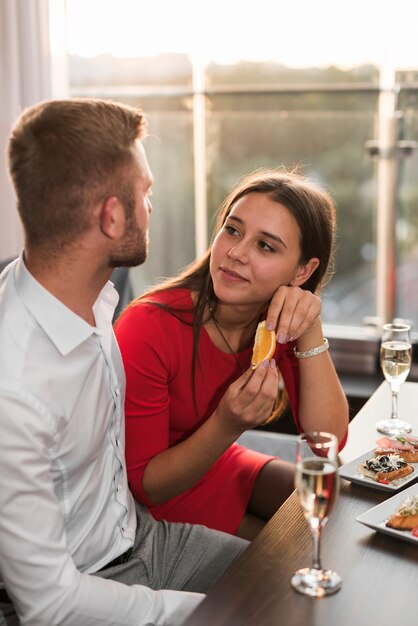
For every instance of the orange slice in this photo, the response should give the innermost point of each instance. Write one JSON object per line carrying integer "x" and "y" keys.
{"x": 264, "y": 345}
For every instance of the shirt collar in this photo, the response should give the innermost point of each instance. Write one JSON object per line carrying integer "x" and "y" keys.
{"x": 66, "y": 329}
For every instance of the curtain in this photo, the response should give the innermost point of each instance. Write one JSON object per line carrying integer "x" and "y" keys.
{"x": 25, "y": 79}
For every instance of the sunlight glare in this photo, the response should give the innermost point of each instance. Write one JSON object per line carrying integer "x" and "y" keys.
{"x": 303, "y": 33}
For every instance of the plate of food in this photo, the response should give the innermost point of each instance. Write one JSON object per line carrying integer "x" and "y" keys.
{"x": 391, "y": 465}
{"x": 396, "y": 516}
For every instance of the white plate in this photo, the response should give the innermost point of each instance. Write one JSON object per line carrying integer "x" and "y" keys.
{"x": 350, "y": 471}
{"x": 377, "y": 516}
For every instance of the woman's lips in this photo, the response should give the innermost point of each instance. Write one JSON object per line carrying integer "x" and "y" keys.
{"x": 231, "y": 275}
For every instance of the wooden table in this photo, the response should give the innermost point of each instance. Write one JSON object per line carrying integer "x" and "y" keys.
{"x": 379, "y": 572}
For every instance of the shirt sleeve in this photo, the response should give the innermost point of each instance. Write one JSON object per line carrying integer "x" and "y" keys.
{"x": 36, "y": 566}
{"x": 146, "y": 345}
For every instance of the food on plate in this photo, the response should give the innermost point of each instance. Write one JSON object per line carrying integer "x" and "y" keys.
{"x": 385, "y": 468}
{"x": 406, "y": 517}
{"x": 406, "y": 446}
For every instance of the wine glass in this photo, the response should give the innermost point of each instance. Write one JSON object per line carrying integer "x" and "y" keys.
{"x": 316, "y": 482}
{"x": 395, "y": 360}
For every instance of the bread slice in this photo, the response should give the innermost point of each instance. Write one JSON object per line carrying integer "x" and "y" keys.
{"x": 388, "y": 476}
{"x": 386, "y": 468}
{"x": 406, "y": 517}
{"x": 410, "y": 456}
{"x": 402, "y": 522}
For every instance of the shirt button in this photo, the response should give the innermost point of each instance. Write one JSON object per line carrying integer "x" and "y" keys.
{"x": 117, "y": 442}
{"x": 117, "y": 392}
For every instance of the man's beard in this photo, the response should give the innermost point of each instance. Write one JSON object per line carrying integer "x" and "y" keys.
{"x": 133, "y": 250}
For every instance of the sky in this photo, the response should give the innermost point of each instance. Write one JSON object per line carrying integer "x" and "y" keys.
{"x": 297, "y": 33}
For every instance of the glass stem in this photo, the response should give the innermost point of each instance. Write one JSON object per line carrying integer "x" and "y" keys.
{"x": 394, "y": 415}
{"x": 316, "y": 538}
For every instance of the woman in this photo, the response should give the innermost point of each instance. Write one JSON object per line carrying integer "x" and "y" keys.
{"x": 187, "y": 346}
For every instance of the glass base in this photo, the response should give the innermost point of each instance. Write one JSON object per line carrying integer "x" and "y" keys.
{"x": 393, "y": 427}
{"x": 316, "y": 582}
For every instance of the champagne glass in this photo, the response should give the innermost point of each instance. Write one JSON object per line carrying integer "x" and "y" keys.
{"x": 316, "y": 482}
{"x": 395, "y": 360}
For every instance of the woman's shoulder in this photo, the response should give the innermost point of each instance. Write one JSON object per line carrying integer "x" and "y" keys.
{"x": 167, "y": 304}
{"x": 179, "y": 298}
{"x": 173, "y": 302}
{"x": 156, "y": 327}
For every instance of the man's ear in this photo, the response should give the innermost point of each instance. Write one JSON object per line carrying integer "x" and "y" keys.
{"x": 111, "y": 218}
{"x": 305, "y": 271}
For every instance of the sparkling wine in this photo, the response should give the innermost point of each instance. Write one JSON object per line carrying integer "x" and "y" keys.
{"x": 395, "y": 360}
{"x": 316, "y": 482}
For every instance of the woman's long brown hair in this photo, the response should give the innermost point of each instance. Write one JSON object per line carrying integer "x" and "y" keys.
{"x": 314, "y": 212}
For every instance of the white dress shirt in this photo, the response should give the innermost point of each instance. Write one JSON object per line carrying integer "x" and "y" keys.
{"x": 65, "y": 506}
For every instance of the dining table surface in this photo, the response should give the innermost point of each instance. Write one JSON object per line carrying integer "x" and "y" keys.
{"x": 379, "y": 572}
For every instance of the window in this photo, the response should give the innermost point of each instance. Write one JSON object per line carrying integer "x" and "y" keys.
{"x": 229, "y": 90}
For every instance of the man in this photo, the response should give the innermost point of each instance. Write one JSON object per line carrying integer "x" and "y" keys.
{"x": 74, "y": 548}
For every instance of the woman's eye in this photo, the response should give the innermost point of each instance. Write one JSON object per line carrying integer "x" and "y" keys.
{"x": 265, "y": 246}
{"x": 230, "y": 229}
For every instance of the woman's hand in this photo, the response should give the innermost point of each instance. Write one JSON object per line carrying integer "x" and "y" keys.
{"x": 293, "y": 312}
{"x": 249, "y": 400}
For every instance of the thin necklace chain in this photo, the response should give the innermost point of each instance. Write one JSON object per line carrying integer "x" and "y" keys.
{"x": 243, "y": 327}
{"x": 215, "y": 321}
{"x": 228, "y": 345}
{"x": 212, "y": 310}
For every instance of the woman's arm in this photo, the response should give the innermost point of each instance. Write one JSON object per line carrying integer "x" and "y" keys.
{"x": 151, "y": 358}
{"x": 322, "y": 402}
{"x": 247, "y": 403}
